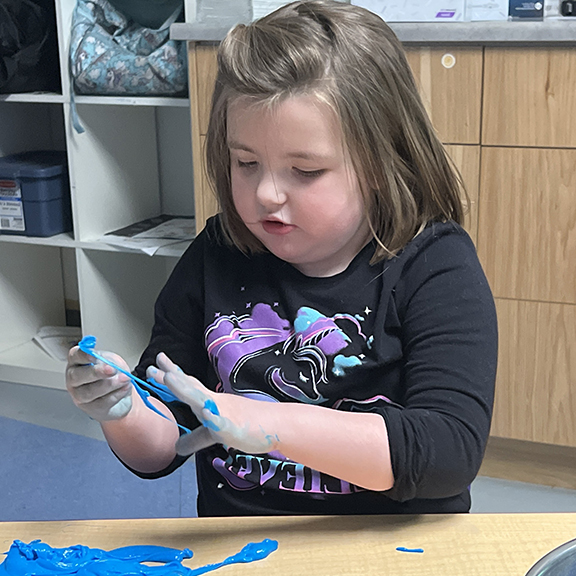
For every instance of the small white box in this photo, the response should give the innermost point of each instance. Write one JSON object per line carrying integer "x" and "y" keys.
{"x": 416, "y": 10}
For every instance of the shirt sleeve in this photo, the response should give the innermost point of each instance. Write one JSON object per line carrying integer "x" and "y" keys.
{"x": 178, "y": 332}
{"x": 449, "y": 339}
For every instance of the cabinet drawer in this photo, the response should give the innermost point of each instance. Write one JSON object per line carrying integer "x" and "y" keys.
{"x": 527, "y": 215}
{"x": 535, "y": 394}
{"x": 467, "y": 160}
{"x": 450, "y": 84}
{"x": 529, "y": 97}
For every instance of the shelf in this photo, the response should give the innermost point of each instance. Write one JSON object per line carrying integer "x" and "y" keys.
{"x": 133, "y": 101}
{"x": 28, "y": 364}
{"x": 60, "y": 240}
{"x": 66, "y": 241}
{"x": 38, "y": 97}
{"x": 48, "y": 98}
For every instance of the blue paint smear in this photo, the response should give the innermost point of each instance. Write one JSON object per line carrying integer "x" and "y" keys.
{"x": 39, "y": 559}
{"x": 87, "y": 345}
{"x": 210, "y": 405}
{"x": 415, "y": 550}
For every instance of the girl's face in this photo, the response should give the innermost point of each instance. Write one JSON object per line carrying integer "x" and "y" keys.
{"x": 293, "y": 183}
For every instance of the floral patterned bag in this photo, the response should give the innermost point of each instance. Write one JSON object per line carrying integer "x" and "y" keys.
{"x": 111, "y": 54}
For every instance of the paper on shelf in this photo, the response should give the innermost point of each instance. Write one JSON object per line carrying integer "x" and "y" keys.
{"x": 152, "y": 234}
{"x": 56, "y": 341}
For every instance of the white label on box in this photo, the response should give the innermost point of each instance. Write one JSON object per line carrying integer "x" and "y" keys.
{"x": 416, "y": 10}
{"x": 11, "y": 209}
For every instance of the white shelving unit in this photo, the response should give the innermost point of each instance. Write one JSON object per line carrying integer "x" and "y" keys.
{"x": 133, "y": 162}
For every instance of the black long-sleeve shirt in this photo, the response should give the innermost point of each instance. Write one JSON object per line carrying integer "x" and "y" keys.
{"x": 412, "y": 338}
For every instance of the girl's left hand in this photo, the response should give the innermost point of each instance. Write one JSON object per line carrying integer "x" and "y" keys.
{"x": 227, "y": 419}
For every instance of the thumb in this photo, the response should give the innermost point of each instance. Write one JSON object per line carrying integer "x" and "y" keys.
{"x": 195, "y": 441}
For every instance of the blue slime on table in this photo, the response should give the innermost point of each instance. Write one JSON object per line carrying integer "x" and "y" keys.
{"x": 40, "y": 559}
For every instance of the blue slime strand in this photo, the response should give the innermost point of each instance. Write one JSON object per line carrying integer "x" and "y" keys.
{"x": 87, "y": 345}
{"x": 39, "y": 559}
{"x": 250, "y": 553}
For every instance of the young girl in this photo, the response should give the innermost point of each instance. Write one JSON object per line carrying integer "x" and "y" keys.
{"x": 330, "y": 334}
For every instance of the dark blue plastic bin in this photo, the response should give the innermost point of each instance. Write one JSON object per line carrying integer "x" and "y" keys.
{"x": 34, "y": 194}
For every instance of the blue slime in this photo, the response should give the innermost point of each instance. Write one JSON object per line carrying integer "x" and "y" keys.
{"x": 87, "y": 345}
{"x": 39, "y": 559}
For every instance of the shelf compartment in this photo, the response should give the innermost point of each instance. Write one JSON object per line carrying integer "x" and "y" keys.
{"x": 29, "y": 364}
{"x": 117, "y": 296}
{"x": 28, "y": 126}
{"x": 32, "y": 291}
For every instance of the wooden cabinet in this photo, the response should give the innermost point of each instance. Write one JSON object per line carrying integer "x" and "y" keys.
{"x": 467, "y": 160}
{"x": 529, "y": 97}
{"x": 535, "y": 393}
{"x": 202, "y": 68}
{"x": 450, "y": 84}
{"x": 527, "y": 237}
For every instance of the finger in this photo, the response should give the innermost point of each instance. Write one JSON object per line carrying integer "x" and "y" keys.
{"x": 165, "y": 364}
{"x": 188, "y": 389}
{"x": 80, "y": 375}
{"x": 154, "y": 374}
{"x": 78, "y": 357}
{"x": 109, "y": 388}
{"x": 194, "y": 441}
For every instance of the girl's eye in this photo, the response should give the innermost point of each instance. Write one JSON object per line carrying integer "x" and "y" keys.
{"x": 309, "y": 173}
{"x": 246, "y": 164}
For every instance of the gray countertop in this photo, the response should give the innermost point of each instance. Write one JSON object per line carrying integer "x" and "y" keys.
{"x": 551, "y": 32}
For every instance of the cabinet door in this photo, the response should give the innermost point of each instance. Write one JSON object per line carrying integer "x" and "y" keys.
{"x": 529, "y": 97}
{"x": 535, "y": 394}
{"x": 450, "y": 83}
{"x": 467, "y": 160}
{"x": 527, "y": 231}
{"x": 202, "y": 75}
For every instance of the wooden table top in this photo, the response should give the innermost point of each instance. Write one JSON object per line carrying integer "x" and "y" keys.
{"x": 459, "y": 545}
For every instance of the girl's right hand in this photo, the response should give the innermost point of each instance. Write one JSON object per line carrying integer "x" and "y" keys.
{"x": 96, "y": 388}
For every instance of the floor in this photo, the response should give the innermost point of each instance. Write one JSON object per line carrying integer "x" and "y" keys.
{"x": 55, "y": 465}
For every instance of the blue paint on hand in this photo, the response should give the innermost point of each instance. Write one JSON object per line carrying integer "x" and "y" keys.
{"x": 87, "y": 345}
{"x": 211, "y": 406}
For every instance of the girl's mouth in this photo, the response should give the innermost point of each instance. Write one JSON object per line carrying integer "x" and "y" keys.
{"x": 276, "y": 228}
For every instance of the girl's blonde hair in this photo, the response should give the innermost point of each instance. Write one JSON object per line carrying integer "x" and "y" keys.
{"x": 349, "y": 58}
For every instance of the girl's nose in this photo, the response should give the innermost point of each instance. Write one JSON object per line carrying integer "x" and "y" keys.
{"x": 269, "y": 192}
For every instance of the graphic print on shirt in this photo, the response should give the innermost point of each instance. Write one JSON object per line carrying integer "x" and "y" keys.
{"x": 302, "y": 362}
